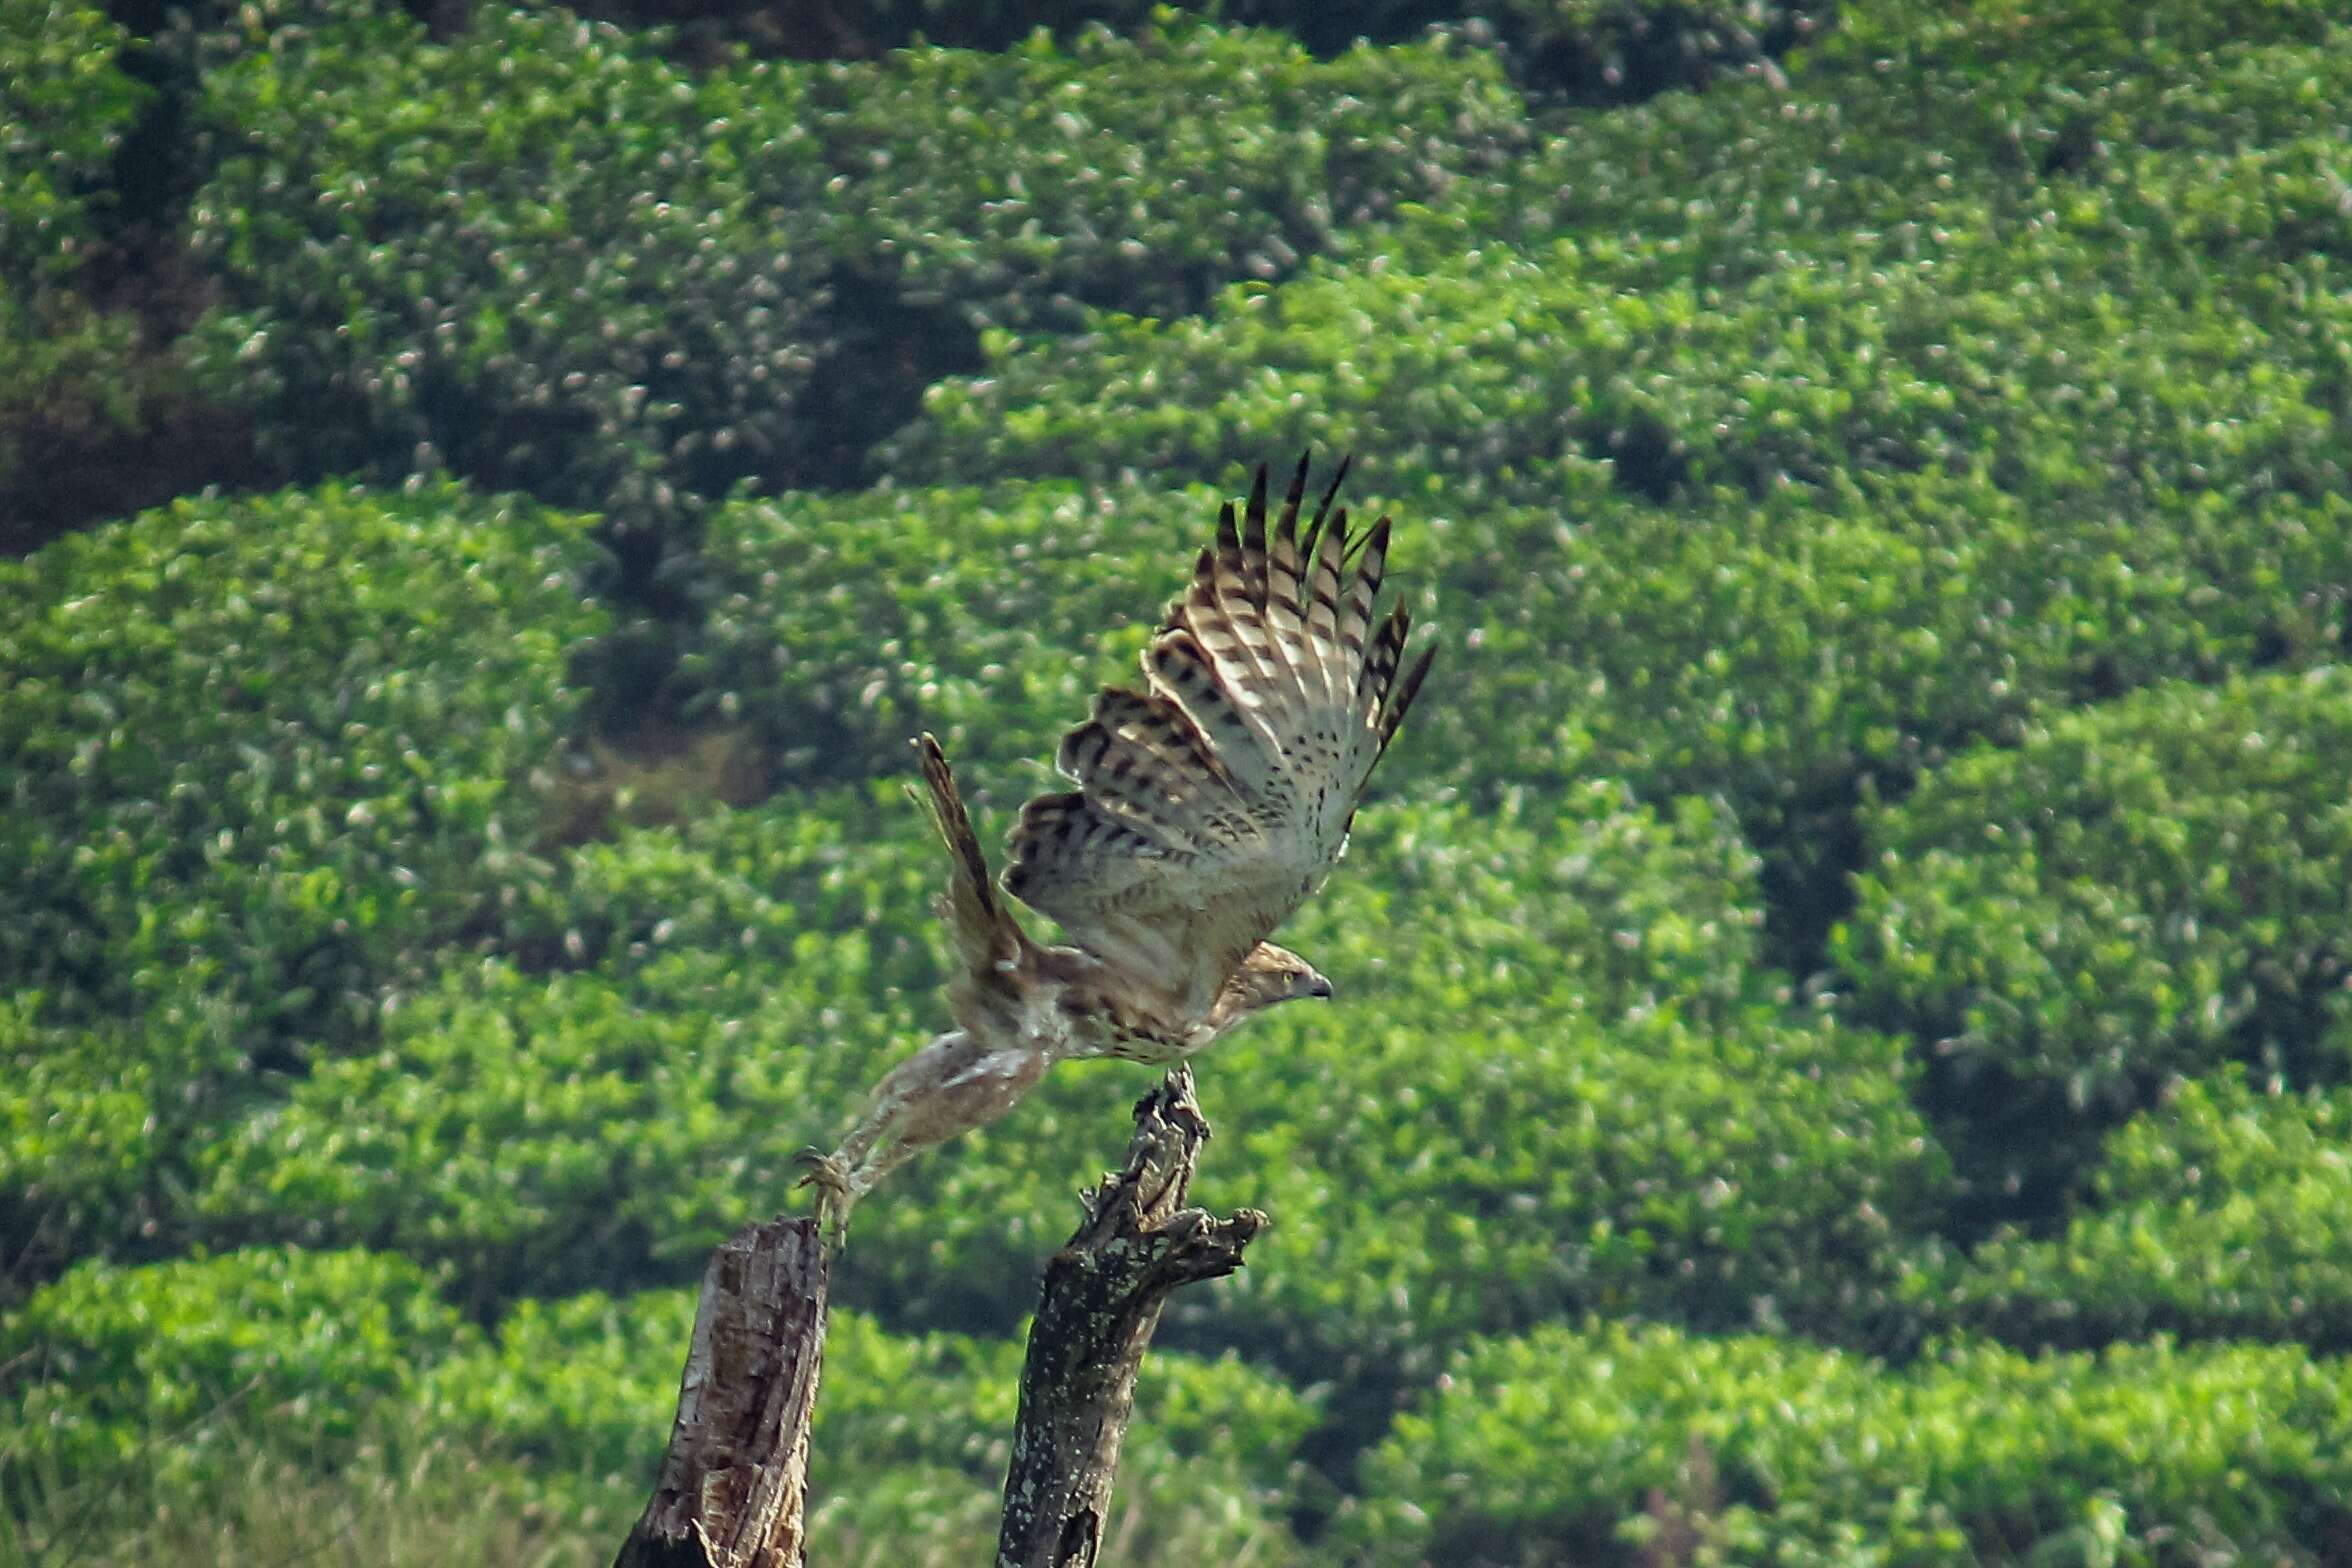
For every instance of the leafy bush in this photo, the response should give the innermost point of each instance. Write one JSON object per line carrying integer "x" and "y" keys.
{"x": 201, "y": 37}
{"x": 263, "y": 755}
{"x": 2018, "y": 46}
{"x": 1822, "y": 528}
{"x": 727, "y": 991}
{"x": 582, "y": 1386}
{"x": 842, "y": 626}
{"x": 819, "y": 887}
{"x": 1765, "y": 451}
{"x": 65, "y": 104}
{"x": 1497, "y": 364}
{"x": 1456, "y": 371}
{"x": 263, "y": 762}
{"x": 542, "y": 1134}
{"x": 451, "y": 264}
{"x": 2142, "y": 889}
{"x": 754, "y": 973}
{"x": 100, "y": 1364}
{"x": 2223, "y": 1214}
{"x": 499, "y": 256}
{"x": 2034, "y": 412}
{"x": 67, "y": 369}
{"x": 1771, "y": 649}
{"x": 1610, "y": 1444}
{"x": 67, "y": 373}
{"x": 1137, "y": 174}
{"x": 83, "y": 1147}
{"x": 910, "y": 1437}
{"x": 1600, "y": 51}
{"x": 1434, "y": 1182}
{"x": 1879, "y": 153}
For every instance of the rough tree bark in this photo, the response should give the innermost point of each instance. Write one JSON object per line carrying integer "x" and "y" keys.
{"x": 1102, "y": 1299}
{"x": 735, "y": 1480}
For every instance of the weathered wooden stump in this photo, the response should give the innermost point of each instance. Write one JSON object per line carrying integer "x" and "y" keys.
{"x": 734, "y": 1484}
{"x": 1101, "y": 1302}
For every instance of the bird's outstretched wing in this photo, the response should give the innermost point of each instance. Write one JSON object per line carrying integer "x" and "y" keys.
{"x": 1213, "y": 801}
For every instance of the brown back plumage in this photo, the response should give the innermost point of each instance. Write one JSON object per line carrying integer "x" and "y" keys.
{"x": 1213, "y": 801}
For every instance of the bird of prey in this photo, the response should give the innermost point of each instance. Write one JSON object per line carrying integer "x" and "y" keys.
{"x": 1208, "y": 805}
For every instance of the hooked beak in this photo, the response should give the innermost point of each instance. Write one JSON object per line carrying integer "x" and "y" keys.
{"x": 1319, "y": 986}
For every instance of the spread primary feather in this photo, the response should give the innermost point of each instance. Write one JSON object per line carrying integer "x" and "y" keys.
{"x": 1207, "y": 806}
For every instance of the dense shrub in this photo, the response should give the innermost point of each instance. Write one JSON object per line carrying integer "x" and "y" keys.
{"x": 1136, "y": 174}
{"x": 67, "y": 372}
{"x": 1862, "y": 510}
{"x": 1770, "y": 649}
{"x": 2142, "y": 889}
{"x": 2039, "y": 412}
{"x": 523, "y": 255}
{"x": 1792, "y": 654}
{"x": 1872, "y": 158}
{"x": 65, "y": 104}
{"x": 1610, "y": 1444}
{"x": 829, "y": 887}
{"x": 545, "y": 1133}
{"x": 1435, "y": 1182}
{"x": 584, "y": 1388}
{"x": 548, "y": 258}
{"x": 67, "y": 369}
{"x": 83, "y": 1142}
{"x": 2222, "y": 1214}
{"x": 1127, "y": 173}
{"x": 1598, "y": 51}
{"x": 1467, "y": 371}
{"x": 1764, "y": 450}
{"x": 201, "y": 37}
{"x": 840, "y": 627}
{"x": 724, "y": 994}
{"x": 2005, "y": 44}
{"x": 110, "y": 1366}
{"x": 1619, "y": 51}
{"x": 1491, "y": 366}
{"x": 100, "y": 419}
{"x": 261, "y": 756}
{"x": 262, "y": 763}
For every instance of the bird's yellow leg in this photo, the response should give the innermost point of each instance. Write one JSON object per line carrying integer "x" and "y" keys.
{"x": 948, "y": 1087}
{"x": 835, "y": 1196}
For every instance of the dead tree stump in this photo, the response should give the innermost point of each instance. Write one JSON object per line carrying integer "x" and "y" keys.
{"x": 734, "y": 1485}
{"x": 735, "y": 1481}
{"x": 1101, "y": 1302}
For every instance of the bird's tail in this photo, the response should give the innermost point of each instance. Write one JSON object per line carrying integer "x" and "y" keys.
{"x": 985, "y": 936}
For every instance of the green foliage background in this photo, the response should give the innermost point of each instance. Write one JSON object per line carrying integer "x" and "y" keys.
{"x": 1845, "y": 1015}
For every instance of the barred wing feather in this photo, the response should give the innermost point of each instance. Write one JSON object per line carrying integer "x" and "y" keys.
{"x": 1212, "y": 802}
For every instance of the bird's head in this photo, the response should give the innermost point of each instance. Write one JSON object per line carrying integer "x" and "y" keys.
{"x": 1268, "y": 975}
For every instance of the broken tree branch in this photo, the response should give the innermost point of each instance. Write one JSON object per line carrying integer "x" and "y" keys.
{"x": 1101, "y": 1302}
{"x": 734, "y": 1483}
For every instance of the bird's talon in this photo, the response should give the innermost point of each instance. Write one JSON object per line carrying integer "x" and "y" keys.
{"x": 823, "y": 1169}
{"x": 830, "y": 1177}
